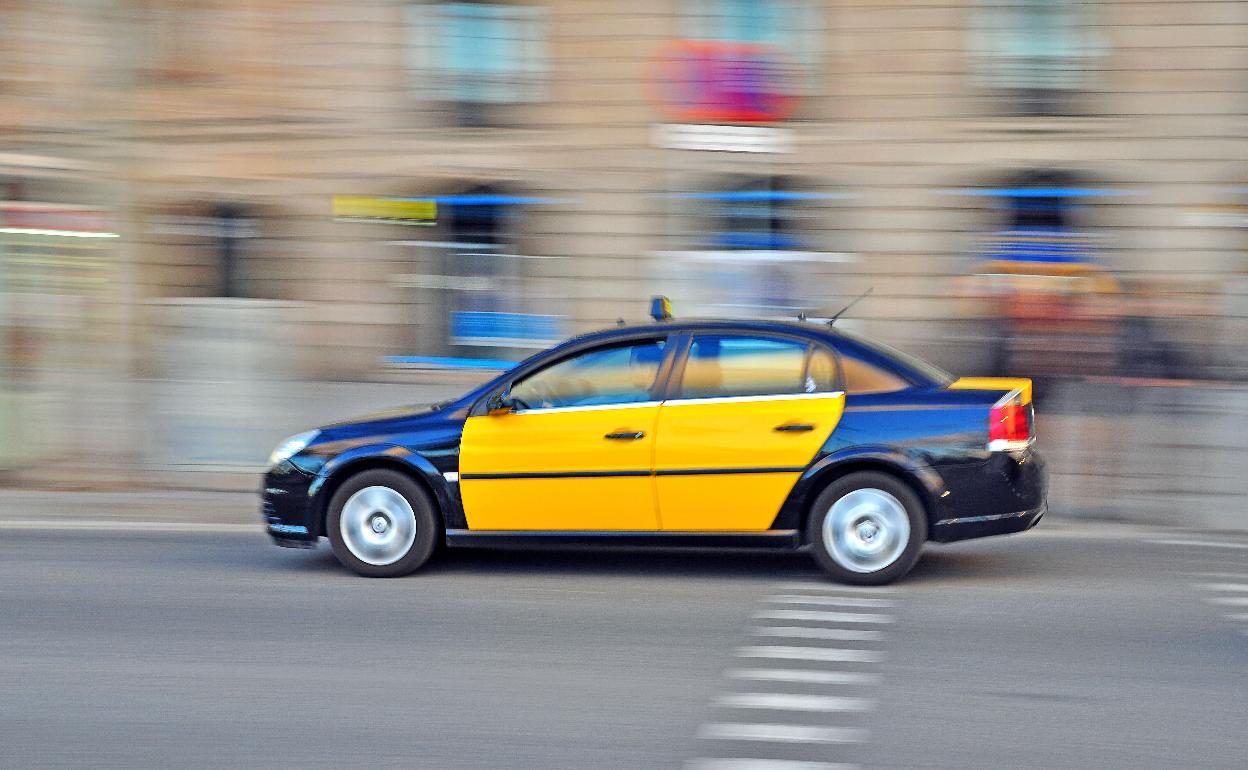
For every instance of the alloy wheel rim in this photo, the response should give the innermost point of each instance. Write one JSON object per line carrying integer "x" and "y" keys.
{"x": 378, "y": 525}
{"x": 866, "y": 530}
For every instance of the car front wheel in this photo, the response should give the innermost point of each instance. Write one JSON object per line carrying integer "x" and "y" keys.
{"x": 867, "y": 528}
{"x": 381, "y": 523}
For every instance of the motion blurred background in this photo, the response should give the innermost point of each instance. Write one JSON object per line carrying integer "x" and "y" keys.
{"x": 222, "y": 221}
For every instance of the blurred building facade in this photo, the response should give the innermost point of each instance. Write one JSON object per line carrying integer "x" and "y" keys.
{"x": 324, "y": 185}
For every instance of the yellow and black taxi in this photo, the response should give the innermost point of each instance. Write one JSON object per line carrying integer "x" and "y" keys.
{"x": 771, "y": 434}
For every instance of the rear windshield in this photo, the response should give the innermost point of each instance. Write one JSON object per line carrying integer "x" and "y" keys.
{"x": 914, "y": 364}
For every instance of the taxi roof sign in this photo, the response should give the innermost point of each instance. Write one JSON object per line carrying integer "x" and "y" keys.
{"x": 660, "y": 308}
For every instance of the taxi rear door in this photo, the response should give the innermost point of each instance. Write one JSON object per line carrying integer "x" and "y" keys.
{"x": 744, "y": 417}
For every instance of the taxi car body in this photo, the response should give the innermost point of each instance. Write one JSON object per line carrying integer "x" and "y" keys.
{"x": 697, "y": 433}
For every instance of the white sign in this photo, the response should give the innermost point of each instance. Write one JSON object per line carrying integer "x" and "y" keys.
{"x": 681, "y": 136}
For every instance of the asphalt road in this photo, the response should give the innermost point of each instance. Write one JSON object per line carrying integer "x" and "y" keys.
{"x": 1069, "y": 646}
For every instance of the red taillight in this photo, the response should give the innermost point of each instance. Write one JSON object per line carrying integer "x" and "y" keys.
{"x": 1009, "y": 423}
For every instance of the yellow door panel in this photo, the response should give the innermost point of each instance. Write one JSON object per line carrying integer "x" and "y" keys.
{"x": 767, "y": 440}
{"x": 729, "y": 502}
{"x": 526, "y": 470}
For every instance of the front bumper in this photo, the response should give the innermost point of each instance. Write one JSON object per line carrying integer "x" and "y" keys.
{"x": 286, "y": 507}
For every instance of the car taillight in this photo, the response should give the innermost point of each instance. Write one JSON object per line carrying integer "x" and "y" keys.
{"x": 1009, "y": 423}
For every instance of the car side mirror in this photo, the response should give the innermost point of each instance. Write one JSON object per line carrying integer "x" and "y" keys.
{"x": 500, "y": 403}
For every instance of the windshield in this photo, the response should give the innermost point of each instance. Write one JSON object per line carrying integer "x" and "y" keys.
{"x": 914, "y": 363}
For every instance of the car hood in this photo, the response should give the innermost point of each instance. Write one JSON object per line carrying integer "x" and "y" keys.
{"x": 394, "y": 414}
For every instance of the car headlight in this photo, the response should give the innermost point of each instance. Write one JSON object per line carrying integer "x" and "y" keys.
{"x": 292, "y": 446}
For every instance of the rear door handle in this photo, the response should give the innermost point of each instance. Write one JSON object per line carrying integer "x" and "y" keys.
{"x": 625, "y": 436}
{"x": 802, "y": 427}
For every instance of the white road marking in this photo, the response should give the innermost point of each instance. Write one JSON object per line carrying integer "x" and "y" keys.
{"x": 1224, "y": 575}
{"x": 781, "y": 733}
{"x": 805, "y": 632}
{"x": 823, "y": 617}
{"x": 105, "y": 525}
{"x": 788, "y": 702}
{"x": 1229, "y": 601}
{"x": 1224, "y": 586}
{"x": 1200, "y": 543}
{"x": 812, "y": 653}
{"x": 836, "y": 588}
{"x": 1238, "y": 616}
{"x": 803, "y": 676}
{"x": 763, "y": 764}
{"x": 837, "y": 601}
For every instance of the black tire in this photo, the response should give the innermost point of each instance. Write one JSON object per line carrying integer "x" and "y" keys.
{"x": 424, "y": 517}
{"x": 840, "y": 568}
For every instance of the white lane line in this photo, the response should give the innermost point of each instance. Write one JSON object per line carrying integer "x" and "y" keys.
{"x": 836, "y": 587}
{"x": 1228, "y": 601}
{"x": 803, "y": 676}
{"x": 1224, "y": 586}
{"x": 126, "y": 526}
{"x": 1237, "y": 616}
{"x": 836, "y": 601}
{"x": 781, "y": 733}
{"x": 1200, "y": 543}
{"x": 811, "y": 653}
{"x": 823, "y": 617}
{"x": 773, "y": 701}
{"x": 764, "y": 764}
{"x": 805, "y": 632}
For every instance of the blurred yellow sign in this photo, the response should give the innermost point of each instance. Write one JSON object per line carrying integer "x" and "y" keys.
{"x": 403, "y": 211}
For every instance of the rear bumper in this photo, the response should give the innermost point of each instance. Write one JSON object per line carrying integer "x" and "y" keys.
{"x": 968, "y": 527}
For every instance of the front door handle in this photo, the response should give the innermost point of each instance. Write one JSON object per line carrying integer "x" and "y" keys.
{"x": 802, "y": 427}
{"x": 625, "y": 436}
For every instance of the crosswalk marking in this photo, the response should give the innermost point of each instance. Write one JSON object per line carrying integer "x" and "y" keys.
{"x": 1229, "y": 601}
{"x": 806, "y": 632}
{"x": 833, "y": 655}
{"x": 1201, "y": 543}
{"x": 1225, "y": 586}
{"x": 764, "y": 764}
{"x": 777, "y": 733}
{"x": 836, "y": 601}
{"x": 789, "y": 702}
{"x": 823, "y": 617}
{"x": 803, "y": 676}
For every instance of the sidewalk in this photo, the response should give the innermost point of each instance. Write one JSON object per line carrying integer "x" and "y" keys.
{"x": 24, "y": 509}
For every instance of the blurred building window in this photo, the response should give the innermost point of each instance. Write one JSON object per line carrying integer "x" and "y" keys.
{"x": 792, "y": 27}
{"x": 475, "y": 56}
{"x": 727, "y": 365}
{"x": 1034, "y": 55}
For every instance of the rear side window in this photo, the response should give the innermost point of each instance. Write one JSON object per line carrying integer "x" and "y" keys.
{"x": 726, "y": 365}
{"x": 862, "y": 377}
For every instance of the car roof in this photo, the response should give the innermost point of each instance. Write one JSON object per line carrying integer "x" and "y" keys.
{"x": 804, "y": 328}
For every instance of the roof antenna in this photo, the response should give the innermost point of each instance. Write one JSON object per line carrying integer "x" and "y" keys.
{"x": 859, "y": 298}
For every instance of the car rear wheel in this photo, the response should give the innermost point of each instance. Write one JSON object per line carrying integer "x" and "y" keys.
{"x": 381, "y": 523}
{"x": 867, "y": 528}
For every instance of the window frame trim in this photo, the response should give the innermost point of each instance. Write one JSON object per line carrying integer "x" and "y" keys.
{"x": 671, "y": 393}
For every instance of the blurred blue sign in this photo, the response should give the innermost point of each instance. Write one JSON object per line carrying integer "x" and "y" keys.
{"x": 505, "y": 330}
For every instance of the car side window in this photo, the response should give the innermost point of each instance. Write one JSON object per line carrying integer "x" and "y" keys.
{"x": 863, "y": 378}
{"x": 724, "y": 365}
{"x": 821, "y": 372}
{"x": 618, "y": 374}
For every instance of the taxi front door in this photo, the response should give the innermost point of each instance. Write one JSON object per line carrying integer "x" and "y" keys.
{"x": 575, "y": 453}
{"x": 748, "y": 416}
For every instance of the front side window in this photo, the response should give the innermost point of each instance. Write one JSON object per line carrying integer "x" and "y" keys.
{"x": 724, "y": 366}
{"x": 621, "y": 374}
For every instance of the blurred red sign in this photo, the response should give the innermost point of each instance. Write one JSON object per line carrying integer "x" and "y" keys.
{"x": 712, "y": 81}
{"x": 52, "y": 217}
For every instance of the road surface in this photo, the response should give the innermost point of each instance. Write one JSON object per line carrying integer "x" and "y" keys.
{"x": 1072, "y": 646}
